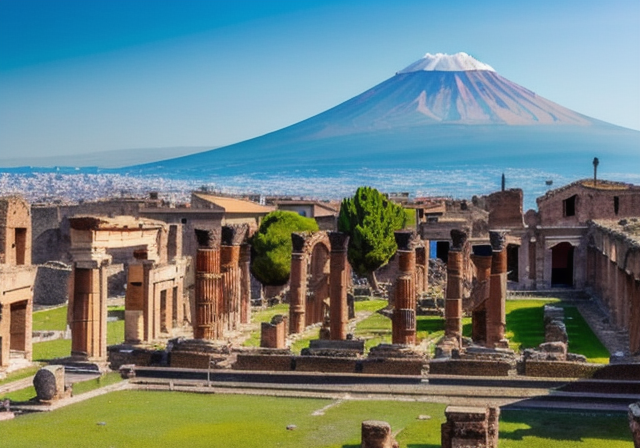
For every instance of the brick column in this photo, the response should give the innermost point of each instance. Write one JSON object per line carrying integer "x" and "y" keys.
{"x": 89, "y": 311}
{"x": 245, "y": 283}
{"x": 207, "y": 322}
{"x": 297, "y": 284}
{"x": 232, "y": 238}
{"x": 404, "y": 313}
{"x": 468, "y": 426}
{"x": 453, "y": 301}
{"x": 338, "y": 313}
{"x": 422, "y": 268}
{"x": 496, "y": 319}
{"x": 482, "y": 257}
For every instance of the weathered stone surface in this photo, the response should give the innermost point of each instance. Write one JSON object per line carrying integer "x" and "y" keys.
{"x": 634, "y": 423}
{"x": 49, "y": 383}
{"x": 377, "y": 434}
{"x": 468, "y": 426}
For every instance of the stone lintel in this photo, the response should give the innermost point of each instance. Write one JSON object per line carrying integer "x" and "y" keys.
{"x": 459, "y": 238}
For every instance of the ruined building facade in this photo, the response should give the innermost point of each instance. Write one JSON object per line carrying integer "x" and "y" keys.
{"x": 17, "y": 277}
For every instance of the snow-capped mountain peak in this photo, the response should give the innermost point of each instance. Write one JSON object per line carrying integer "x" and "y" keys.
{"x": 447, "y": 63}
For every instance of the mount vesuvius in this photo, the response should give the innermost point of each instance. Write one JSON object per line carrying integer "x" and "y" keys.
{"x": 440, "y": 112}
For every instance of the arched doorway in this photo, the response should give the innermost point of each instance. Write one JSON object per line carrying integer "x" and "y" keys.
{"x": 318, "y": 287}
{"x": 562, "y": 264}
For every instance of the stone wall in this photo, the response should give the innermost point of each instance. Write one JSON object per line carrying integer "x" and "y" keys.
{"x": 559, "y": 369}
{"x": 505, "y": 209}
{"x": 469, "y": 367}
{"x": 51, "y": 286}
{"x": 327, "y": 364}
{"x": 15, "y": 231}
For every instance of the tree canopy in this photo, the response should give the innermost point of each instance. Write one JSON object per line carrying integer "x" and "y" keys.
{"x": 271, "y": 246}
{"x": 370, "y": 220}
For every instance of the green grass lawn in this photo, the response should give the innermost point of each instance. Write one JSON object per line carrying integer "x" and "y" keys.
{"x": 525, "y": 329}
{"x": 51, "y": 319}
{"x": 60, "y": 348}
{"x": 173, "y": 419}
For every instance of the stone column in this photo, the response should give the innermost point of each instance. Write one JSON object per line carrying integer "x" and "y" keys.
{"x": 482, "y": 257}
{"x": 207, "y": 323}
{"x": 245, "y": 283}
{"x": 89, "y": 311}
{"x": 422, "y": 265}
{"x": 297, "y": 284}
{"x": 232, "y": 238}
{"x": 468, "y": 426}
{"x": 496, "y": 318}
{"x": 338, "y": 312}
{"x": 404, "y": 313}
{"x": 453, "y": 301}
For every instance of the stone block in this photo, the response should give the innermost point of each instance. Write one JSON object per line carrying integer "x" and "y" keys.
{"x": 377, "y": 434}
{"x": 49, "y": 383}
{"x": 634, "y": 423}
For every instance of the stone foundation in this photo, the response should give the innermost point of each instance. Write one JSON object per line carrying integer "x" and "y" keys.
{"x": 468, "y": 427}
{"x": 377, "y": 434}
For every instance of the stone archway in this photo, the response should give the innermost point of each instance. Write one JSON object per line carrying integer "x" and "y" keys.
{"x": 562, "y": 264}
{"x": 309, "y": 280}
{"x": 318, "y": 284}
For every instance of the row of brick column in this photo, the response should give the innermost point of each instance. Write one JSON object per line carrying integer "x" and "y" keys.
{"x": 222, "y": 289}
{"x": 489, "y": 318}
{"x": 404, "y": 312}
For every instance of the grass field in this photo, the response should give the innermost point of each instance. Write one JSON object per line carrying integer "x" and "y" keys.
{"x": 173, "y": 419}
{"x": 56, "y": 319}
{"x": 525, "y": 328}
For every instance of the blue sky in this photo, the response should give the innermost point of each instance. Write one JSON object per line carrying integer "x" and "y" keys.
{"x": 79, "y": 76}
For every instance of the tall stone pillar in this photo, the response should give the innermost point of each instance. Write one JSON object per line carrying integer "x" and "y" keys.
{"x": 453, "y": 300}
{"x": 404, "y": 313}
{"x": 245, "y": 283}
{"x": 89, "y": 311}
{"x": 297, "y": 284}
{"x": 232, "y": 238}
{"x": 338, "y": 312}
{"x": 208, "y": 322}
{"x": 422, "y": 268}
{"x": 482, "y": 257}
{"x": 496, "y": 318}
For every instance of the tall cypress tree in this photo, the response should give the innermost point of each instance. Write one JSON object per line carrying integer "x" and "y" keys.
{"x": 370, "y": 220}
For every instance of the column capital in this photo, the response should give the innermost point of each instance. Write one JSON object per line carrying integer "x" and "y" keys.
{"x": 339, "y": 241}
{"x": 405, "y": 239}
{"x": 208, "y": 238}
{"x": 234, "y": 235}
{"x": 498, "y": 239}
{"x": 459, "y": 238}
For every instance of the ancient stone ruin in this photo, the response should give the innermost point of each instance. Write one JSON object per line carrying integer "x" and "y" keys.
{"x": 377, "y": 434}
{"x": 49, "y": 384}
{"x": 468, "y": 426}
{"x": 634, "y": 423}
{"x": 17, "y": 277}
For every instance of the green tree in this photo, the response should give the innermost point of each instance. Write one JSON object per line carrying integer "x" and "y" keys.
{"x": 271, "y": 246}
{"x": 370, "y": 220}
